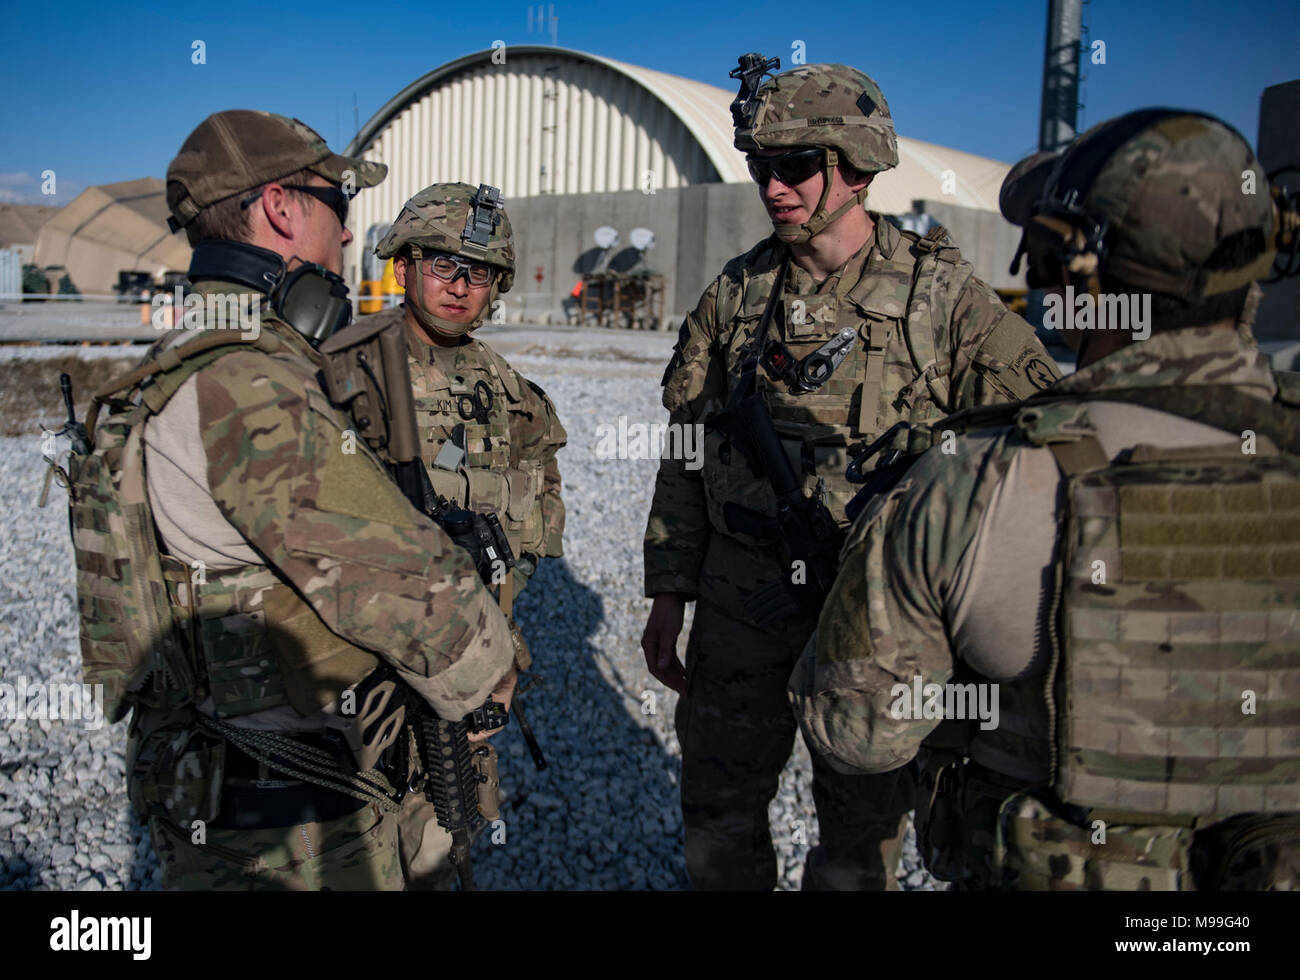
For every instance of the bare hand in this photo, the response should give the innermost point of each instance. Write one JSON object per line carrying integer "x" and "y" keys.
{"x": 659, "y": 641}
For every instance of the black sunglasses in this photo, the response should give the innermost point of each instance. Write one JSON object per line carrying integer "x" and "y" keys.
{"x": 331, "y": 197}
{"x": 790, "y": 168}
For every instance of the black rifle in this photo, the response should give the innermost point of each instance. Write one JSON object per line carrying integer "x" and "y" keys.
{"x": 364, "y": 367}
{"x": 75, "y": 430}
{"x": 807, "y": 534}
{"x": 891, "y": 468}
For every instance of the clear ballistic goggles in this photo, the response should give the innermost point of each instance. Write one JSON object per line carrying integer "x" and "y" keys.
{"x": 449, "y": 268}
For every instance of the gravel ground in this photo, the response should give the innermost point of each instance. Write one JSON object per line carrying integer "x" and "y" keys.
{"x": 603, "y": 816}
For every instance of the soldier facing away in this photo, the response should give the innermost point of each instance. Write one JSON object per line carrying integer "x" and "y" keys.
{"x": 488, "y": 435}
{"x": 245, "y": 568}
{"x": 1112, "y": 568}
{"x": 863, "y": 325}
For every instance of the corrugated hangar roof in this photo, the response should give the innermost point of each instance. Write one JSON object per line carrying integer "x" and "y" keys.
{"x": 925, "y": 170}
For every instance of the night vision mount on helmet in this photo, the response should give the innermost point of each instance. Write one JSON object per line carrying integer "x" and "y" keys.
{"x": 834, "y": 107}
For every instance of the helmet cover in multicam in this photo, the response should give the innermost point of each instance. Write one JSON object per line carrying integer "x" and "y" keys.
{"x": 834, "y": 106}
{"x": 831, "y": 106}
{"x": 454, "y": 219}
{"x": 1168, "y": 187}
{"x": 438, "y": 220}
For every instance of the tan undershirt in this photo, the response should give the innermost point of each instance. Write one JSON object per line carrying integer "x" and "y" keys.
{"x": 193, "y": 528}
{"x": 998, "y": 605}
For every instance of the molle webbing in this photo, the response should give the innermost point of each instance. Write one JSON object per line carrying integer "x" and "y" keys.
{"x": 1181, "y": 629}
{"x": 126, "y": 625}
{"x": 156, "y": 631}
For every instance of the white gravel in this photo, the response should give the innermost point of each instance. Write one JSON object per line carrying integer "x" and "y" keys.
{"x": 604, "y": 815}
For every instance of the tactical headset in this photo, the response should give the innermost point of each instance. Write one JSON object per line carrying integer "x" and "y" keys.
{"x": 311, "y": 299}
{"x": 1067, "y": 245}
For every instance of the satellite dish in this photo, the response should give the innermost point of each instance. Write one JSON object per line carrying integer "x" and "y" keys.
{"x": 642, "y": 239}
{"x": 606, "y": 237}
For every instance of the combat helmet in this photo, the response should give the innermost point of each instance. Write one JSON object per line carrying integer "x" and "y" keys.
{"x": 456, "y": 219}
{"x": 831, "y": 106}
{"x": 1148, "y": 199}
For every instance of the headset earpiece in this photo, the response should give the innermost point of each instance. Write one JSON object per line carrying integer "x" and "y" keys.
{"x": 314, "y": 301}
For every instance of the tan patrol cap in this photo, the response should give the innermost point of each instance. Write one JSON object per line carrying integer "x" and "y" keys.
{"x": 240, "y": 149}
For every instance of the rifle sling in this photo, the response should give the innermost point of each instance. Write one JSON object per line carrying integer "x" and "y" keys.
{"x": 748, "y": 372}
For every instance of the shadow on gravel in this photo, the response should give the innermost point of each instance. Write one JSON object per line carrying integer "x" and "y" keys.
{"x": 605, "y": 814}
{"x": 144, "y": 862}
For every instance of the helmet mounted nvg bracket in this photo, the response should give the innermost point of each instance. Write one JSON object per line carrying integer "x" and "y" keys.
{"x": 484, "y": 215}
{"x": 750, "y": 70}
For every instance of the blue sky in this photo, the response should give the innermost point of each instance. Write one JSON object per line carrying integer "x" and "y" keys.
{"x": 101, "y": 92}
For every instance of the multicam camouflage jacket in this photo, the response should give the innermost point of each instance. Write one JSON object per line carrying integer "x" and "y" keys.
{"x": 930, "y": 338}
{"x": 343, "y": 569}
{"x": 1171, "y": 590}
{"x": 509, "y": 430}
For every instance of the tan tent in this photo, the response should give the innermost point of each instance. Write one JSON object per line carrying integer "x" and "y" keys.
{"x": 109, "y": 228}
{"x": 21, "y": 223}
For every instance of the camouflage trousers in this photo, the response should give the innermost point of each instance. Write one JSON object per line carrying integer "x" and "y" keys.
{"x": 355, "y": 852}
{"x": 737, "y": 731}
{"x": 425, "y": 847}
{"x": 362, "y": 851}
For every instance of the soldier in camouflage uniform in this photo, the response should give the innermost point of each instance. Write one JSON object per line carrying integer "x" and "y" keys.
{"x": 245, "y": 564}
{"x": 488, "y": 435}
{"x": 1113, "y": 567}
{"x": 928, "y": 338}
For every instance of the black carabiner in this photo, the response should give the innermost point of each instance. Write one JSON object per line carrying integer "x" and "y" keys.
{"x": 478, "y": 407}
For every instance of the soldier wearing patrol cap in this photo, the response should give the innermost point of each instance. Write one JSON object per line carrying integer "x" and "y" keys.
{"x": 488, "y": 435}
{"x": 1082, "y": 617}
{"x": 856, "y": 325}
{"x": 245, "y": 569}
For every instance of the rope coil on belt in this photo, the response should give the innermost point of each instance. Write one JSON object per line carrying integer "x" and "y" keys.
{"x": 307, "y": 763}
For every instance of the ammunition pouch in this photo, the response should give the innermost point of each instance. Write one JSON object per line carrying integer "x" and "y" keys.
{"x": 1039, "y": 849}
{"x": 176, "y": 771}
{"x": 1254, "y": 852}
{"x": 976, "y": 832}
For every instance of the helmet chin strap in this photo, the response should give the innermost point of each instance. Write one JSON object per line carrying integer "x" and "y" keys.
{"x": 797, "y": 234}
{"x": 436, "y": 324}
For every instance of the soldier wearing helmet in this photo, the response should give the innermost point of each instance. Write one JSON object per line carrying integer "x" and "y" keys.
{"x": 489, "y": 436}
{"x": 863, "y": 326}
{"x": 1107, "y": 573}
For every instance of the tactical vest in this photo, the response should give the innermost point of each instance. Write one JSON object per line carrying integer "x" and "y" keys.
{"x": 1171, "y": 700}
{"x": 471, "y": 393}
{"x": 156, "y": 632}
{"x": 895, "y": 372}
